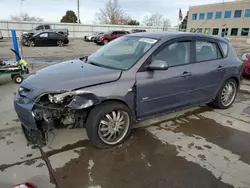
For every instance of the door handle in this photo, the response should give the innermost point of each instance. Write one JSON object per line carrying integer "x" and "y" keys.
{"x": 220, "y": 68}
{"x": 186, "y": 74}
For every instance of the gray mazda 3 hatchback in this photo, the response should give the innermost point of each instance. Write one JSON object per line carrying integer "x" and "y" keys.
{"x": 132, "y": 78}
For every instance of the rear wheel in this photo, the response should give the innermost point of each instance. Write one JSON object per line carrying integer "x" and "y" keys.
{"x": 226, "y": 94}
{"x": 108, "y": 124}
{"x": 18, "y": 79}
{"x": 60, "y": 43}
{"x": 105, "y": 42}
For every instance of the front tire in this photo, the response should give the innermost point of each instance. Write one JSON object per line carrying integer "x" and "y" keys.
{"x": 31, "y": 44}
{"x": 226, "y": 94}
{"x": 108, "y": 124}
{"x": 18, "y": 79}
{"x": 105, "y": 42}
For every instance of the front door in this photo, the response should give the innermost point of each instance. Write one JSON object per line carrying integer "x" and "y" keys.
{"x": 162, "y": 91}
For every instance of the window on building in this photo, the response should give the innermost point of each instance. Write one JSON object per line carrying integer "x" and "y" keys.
{"x": 202, "y": 16}
{"x": 194, "y": 16}
{"x": 237, "y": 13}
{"x": 218, "y": 15}
{"x": 215, "y": 31}
{"x": 192, "y": 30}
{"x": 247, "y": 13}
{"x": 234, "y": 31}
{"x": 206, "y": 51}
{"x": 224, "y": 32}
{"x": 228, "y": 14}
{"x": 244, "y": 31}
{"x": 209, "y": 15}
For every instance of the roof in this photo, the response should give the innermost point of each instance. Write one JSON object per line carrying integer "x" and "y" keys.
{"x": 166, "y": 35}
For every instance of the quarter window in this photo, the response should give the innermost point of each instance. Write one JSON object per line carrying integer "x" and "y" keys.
{"x": 237, "y": 13}
{"x": 175, "y": 54}
{"x": 206, "y": 51}
{"x": 218, "y": 15}
{"x": 202, "y": 16}
{"x": 228, "y": 14}
{"x": 224, "y": 48}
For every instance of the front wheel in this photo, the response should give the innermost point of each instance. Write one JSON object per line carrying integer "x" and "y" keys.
{"x": 108, "y": 124}
{"x": 31, "y": 43}
{"x": 226, "y": 94}
{"x": 105, "y": 42}
{"x": 18, "y": 79}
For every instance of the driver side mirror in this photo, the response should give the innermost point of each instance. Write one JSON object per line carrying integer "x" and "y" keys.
{"x": 158, "y": 65}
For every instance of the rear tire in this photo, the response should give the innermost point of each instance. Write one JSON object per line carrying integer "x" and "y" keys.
{"x": 117, "y": 120}
{"x": 226, "y": 95}
{"x": 18, "y": 79}
{"x": 105, "y": 42}
{"x": 60, "y": 43}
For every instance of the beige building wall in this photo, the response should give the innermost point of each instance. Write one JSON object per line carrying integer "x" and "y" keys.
{"x": 223, "y": 22}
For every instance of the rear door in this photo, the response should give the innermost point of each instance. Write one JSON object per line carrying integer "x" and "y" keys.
{"x": 209, "y": 69}
{"x": 113, "y": 35}
{"x": 53, "y": 38}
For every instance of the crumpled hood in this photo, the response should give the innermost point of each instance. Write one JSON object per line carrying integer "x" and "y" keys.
{"x": 68, "y": 76}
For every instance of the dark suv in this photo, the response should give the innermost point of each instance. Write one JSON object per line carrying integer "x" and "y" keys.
{"x": 109, "y": 36}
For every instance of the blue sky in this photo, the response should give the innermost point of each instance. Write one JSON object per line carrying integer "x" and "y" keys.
{"x": 53, "y": 10}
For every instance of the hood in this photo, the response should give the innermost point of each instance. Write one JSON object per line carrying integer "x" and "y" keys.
{"x": 68, "y": 76}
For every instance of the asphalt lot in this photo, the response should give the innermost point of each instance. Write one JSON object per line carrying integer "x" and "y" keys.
{"x": 197, "y": 147}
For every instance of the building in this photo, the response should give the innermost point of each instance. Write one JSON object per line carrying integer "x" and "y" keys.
{"x": 223, "y": 19}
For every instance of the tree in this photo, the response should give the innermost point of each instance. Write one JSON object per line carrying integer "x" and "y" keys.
{"x": 25, "y": 17}
{"x": 133, "y": 22}
{"x": 69, "y": 17}
{"x": 183, "y": 25}
{"x": 158, "y": 20}
{"x": 112, "y": 14}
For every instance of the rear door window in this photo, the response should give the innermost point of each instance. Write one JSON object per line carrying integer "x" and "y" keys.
{"x": 206, "y": 51}
{"x": 53, "y": 35}
{"x": 47, "y": 27}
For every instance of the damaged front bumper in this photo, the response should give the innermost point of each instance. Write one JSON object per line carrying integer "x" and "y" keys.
{"x": 52, "y": 111}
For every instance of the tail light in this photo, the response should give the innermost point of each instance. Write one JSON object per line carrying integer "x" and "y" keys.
{"x": 25, "y": 185}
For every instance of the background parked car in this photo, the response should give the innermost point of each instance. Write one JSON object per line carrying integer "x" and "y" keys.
{"x": 246, "y": 64}
{"x": 93, "y": 36}
{"x": 1, "y": 36}
{"x": 109, "y": 36}
{"x": 138, "y": 30}
{"x": 45, "y": 39}
{"x": 46, "y": 27}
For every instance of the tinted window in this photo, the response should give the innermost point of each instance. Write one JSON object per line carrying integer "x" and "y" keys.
{"x": 247, "y": 13}
{"x": 224, "y": 47}
{"x": 194, "y": 16}
{"x": 114, "y": 33}
{"x": 205, "y": 51}
{"x": 209, "y": 15}
{"x": 47, "y": 27}
{"x": 121, "y": 32}
{"x": 54, "y": 35}
{"x": 244, "y": 31}
{"x": 39, "y": 27}
{"x": 237, "y": 13}
{"x": 175, "y": 54}
{"x": 234, "y": 31}
{"x": 228, "y": 14}
{"x": 216, "y": 31}
{"x": 43, "y": 35}
{"x": 202, "y": 16}
{"x": 218, "y": 15}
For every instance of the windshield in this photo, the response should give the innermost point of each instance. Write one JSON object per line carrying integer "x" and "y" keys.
{"x": 122, "y": 53}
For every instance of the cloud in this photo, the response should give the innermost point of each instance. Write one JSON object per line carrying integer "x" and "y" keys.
{"x": 53, "y": 10}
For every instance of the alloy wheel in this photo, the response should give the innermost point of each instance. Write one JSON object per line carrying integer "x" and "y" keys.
{"x": 113, "y": 127}
{"x": 228, "y": 94}
{"x": 60, "y": 43}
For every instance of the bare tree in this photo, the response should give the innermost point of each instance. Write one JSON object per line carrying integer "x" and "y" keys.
{"x": 158, "y": 20}
{"x": 112, "y": 14}
{"x": 25, "y": 17}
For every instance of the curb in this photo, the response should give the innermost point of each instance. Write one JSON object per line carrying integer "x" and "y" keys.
{"x": 245, "y": 89}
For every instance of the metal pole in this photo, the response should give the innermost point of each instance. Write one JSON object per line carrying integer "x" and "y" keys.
{"x": 78, "y": 11}
{"x": 20, "y": 27}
